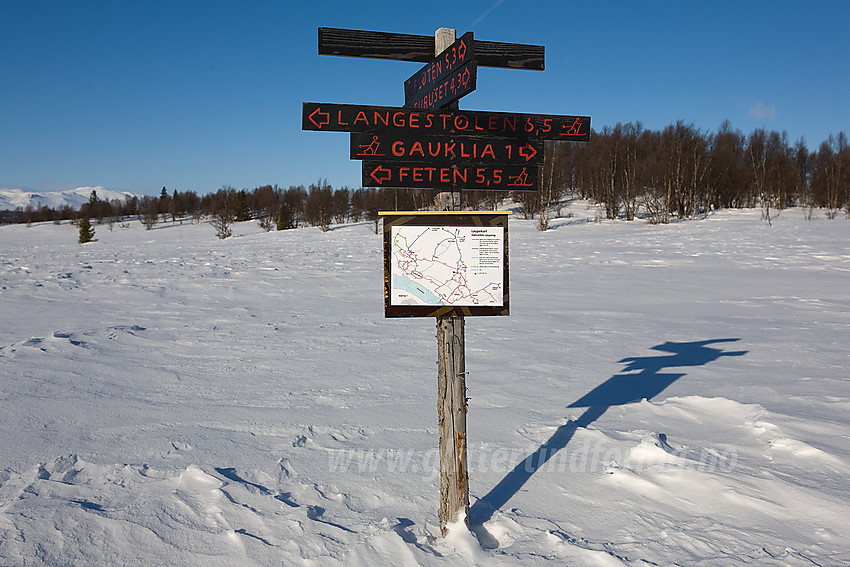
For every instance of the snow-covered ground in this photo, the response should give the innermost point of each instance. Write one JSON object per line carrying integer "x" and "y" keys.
{"x": 660, "y": 395}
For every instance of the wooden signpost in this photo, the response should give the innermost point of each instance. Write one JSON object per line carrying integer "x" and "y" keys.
{"x": 422, "y": 48}
{"x": 448, "y": 263}
{"x": 450, "y": 177}
{"x": 437, "y": 121}
{"x": 448, "y": 77}
{"x": 389, "y": 146}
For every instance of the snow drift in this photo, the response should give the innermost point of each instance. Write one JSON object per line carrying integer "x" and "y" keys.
{"x": 670, "y": 395}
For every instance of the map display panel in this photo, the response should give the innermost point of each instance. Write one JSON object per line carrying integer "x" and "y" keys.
{"x": 447, "y": 265}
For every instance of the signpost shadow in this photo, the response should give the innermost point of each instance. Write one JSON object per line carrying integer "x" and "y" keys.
{"x": 644, "y": 381}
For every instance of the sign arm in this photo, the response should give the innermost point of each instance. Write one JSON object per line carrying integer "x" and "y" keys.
{"x": 421, "y": 48}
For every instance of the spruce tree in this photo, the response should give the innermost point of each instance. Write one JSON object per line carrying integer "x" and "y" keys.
{"x": 86, "y": 231}
{"x": 286, "y": 218}
{"x": 243, "y": 211}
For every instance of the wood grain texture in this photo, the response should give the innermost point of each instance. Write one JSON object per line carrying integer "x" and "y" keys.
{"x": 451, "y": 411}
{"x": 421, "y": 48}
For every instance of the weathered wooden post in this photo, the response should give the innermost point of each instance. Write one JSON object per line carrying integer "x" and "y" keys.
{"x": 446, "y": 200}
{"x": 451, "y": 378}
{"x": 451, "y": 409}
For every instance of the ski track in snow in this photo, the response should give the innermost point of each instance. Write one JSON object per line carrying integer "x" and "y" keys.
{"x": 660, "y": 395}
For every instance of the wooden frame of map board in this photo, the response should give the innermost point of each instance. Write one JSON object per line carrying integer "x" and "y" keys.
{"x": 474, "y": 242}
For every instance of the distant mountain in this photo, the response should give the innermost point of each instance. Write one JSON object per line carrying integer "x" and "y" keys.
{"x": 10, "y": 199}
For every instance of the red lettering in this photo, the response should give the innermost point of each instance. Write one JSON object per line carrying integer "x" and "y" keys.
{"x": 488, "y": 150}
{"x": 417, "y": 174}
{"x": 460, "y": 174}
{"x": 385, "y": 118}
{"x": 445, "y": 117}
{"x": 361, "y": 116}
{"x": 507, "y": 124}
{"x": 339, "y": 119}
{"x": 398, "y": 148}
{"x": 461, "y": 119}
{"x": 529, "y": 127}
{"x": 430, "y": 171}
{"x": 477, "y": 127}
{"x": 429, "y": 120}
{"x": 413, "y": 120}
{"x": 509, "y": 148}
{"x": 479, "y": 176}
{"x": 434, "y": 148}
{"x": 497, "y": 178}
{"x": 449, "y": 149}
{"x": 444, "y": 174}
{"x": 492, "y": 124}
{"x": 396, "y": 121}
{"x": 462, "y": 154}
{"x": 547, "y": 125}
{"x": 403, "y": 172}
{"x": 417, "y": 148}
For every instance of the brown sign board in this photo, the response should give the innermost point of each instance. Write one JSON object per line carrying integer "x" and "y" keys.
{"x": 448, "y": 177}
{"x": 326, "y": 117}
{"x": 452, "y": 263}
{"x": 457, "y": 85}
{"x": 420, "y": 48}
{"x": 454, "y": 67}
{"x": 387, "y": 146}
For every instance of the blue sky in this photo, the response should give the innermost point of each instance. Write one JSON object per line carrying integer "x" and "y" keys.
{"x": 137, "y": 95}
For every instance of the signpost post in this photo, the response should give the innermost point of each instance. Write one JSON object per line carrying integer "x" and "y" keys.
{"x": 446, "y": 263}
{"x": 451, "y": 378}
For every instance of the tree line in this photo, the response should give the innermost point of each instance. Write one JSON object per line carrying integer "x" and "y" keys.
{"x": 629, "y": 171}
{"x": 276, "y": 208}
{"x": 681, "y": 171}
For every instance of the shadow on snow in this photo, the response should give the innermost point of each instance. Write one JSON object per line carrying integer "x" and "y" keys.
{"x": 645, "y": 381}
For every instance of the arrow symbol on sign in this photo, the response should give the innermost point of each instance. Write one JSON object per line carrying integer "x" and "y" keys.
{"x": 318, "y": 112}
{"x": 461, "y": 51}
{"x": 529, "y": 152}
{"x": 378, "y": 178}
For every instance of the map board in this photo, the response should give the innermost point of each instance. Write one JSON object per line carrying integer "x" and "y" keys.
{"x": 445, "y": 263}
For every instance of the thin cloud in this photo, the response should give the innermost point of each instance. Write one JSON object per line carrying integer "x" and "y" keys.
{"x": 486, "y": 13}
{"x": 763, "y": 111}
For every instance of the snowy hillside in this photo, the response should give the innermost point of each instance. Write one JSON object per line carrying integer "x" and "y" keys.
{"x": 10, "y": 199}
{"x": 660, "y": 395}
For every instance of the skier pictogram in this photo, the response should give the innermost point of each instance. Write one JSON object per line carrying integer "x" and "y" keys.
{"x": 370, "y": 149}
{"x": 520, "y": 180}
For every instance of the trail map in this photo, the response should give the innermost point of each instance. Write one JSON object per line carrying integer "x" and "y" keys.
{"x": 447, "y": 265}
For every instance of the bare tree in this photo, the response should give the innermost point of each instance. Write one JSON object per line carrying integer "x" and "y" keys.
{"x": 319, "y": 206}
{"x": 149, "y": 211}
{"x": 548, "y": 194}
{"x": 222, "y": 220}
